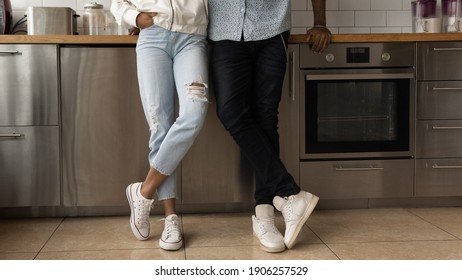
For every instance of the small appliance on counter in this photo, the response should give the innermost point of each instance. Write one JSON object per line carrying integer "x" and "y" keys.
{"x": 6, "y": 17}
{"x": 51, "y": 20}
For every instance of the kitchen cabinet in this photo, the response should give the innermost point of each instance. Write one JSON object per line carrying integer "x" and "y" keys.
{"x": 439, "y": 119}
{"x": 29, "y": 126}
{"x": 104, "y": 131}
{"x": 215, "y": 172}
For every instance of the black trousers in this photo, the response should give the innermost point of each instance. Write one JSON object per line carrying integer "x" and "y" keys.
{"x": 248, "y": 79}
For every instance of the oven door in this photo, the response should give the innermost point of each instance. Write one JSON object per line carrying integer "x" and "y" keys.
{"x": 357, "y": 113}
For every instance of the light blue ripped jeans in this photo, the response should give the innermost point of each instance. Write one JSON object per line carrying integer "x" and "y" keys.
{"x": 169, "y": 63}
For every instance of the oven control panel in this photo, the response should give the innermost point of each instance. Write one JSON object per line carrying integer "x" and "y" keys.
{"x": 364, "y": 55}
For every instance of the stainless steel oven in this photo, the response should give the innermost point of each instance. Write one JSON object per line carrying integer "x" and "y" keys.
{"x": 357, "y": 101}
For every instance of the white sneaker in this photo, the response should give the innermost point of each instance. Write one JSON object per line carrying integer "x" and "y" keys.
{"x": 296, "y": 209}
{"x": 172, "y": 238}
{"x": 140, "y": 208}
{"x": 271, "y": 240}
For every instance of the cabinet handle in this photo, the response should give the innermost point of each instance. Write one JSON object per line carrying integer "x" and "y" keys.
{"x": 292, "y": 76}
{"x": 446, "y": 127}
{"x": 446, "y": 49}
{"x": 10, "y": 135}
{"x": 367, "y": 168}
{"x": 436, "y": 166}
{"x": 10, "y": 52}
{"x": 438, "y": 88}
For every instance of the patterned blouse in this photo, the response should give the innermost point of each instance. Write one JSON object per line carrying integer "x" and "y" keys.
{"x": 251, "y": 20}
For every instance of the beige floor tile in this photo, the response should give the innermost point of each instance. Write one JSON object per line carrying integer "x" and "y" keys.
{"x": 101, "y": 233}
{"x": 229, "y": 230}
{"x": 413, "y": 250}
{"x": 26, "y": 235}
{"x": 138, "y": 254}
{"x": 372, "y": 225}
{"x": 17, "y": 256}
{"x": 448, "y": 219}
{"x": 299, "y": 252}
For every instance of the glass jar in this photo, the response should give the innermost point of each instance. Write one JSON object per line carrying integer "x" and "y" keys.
{"x": 425, "y": 17}
{"x": 94, "y": 19}
{"x": 451, "y": 15}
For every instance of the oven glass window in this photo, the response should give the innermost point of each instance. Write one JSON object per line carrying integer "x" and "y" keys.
{"x": 357, "y": 116}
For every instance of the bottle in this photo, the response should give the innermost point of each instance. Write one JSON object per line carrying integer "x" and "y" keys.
{"x": 94, "y": 19}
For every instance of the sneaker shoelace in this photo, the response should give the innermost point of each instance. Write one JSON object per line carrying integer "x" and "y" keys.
{"x": 287, "y": 213}
{"x": 266, "y": 225}
{"x": 142, "y": 208}
{"x": 172, "y": 229}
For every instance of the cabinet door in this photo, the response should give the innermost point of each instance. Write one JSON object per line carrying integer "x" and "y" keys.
{"x": 439, "y": 61}
{"x": 439, "y": 177}
{"x": 29, "y": 166}
{"x": 439, "y": 139}
{"x": 439, "y": 100}
{"x": 289, "y": 111}
{"x": 104, "y": 131}
{"x": 28, "y": 85}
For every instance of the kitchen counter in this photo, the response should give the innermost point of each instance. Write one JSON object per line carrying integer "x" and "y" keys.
{"x": 296, "y": 38}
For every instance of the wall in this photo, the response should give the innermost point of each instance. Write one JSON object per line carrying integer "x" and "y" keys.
{"x": 343, "y": 16}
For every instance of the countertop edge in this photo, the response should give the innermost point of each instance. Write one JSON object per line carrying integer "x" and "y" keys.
{"x": 294, "y": 39}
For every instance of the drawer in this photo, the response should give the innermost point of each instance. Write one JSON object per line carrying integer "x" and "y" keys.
{"x": 439, "y": 61}
{"x": 28, "y": 85}
{"x": 439, "y": 139}
{"x": 358, "y": 179}
{"x": 29, "y": 166}
{"x": 439, "y": 100}
{"x": 439, "y": 177}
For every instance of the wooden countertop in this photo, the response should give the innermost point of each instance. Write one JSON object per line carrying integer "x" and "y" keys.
{"x": 297, "y": 38}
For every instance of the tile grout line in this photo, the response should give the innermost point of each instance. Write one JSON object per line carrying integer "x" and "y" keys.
{"x": 330, "y": 249}
{"x": 48, "y": 239}
{"x": 412, "y": 213}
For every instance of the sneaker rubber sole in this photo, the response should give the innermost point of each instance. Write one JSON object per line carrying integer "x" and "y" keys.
{"x": 135, "y": 230}
{"x": 271, "y": 249}
{"x": 291, "y": 242}
{"x": 168, "y": 246}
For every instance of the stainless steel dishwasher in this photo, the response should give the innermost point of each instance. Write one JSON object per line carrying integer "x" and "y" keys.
{"x": 104, "y": 132}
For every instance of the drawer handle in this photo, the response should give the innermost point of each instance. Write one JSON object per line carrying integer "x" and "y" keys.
{"x": 437, "y": 88}
{"x": 10, "y": 52}
{"x": 446, "y": 127}
{"x": 367, "y": 168}
{"x": 436, "y": 166}
{"x": 446, "y": 49}
{"x": 10, "y": 135}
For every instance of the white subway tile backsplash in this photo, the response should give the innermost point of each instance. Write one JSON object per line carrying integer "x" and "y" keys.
{"x": 386, "y": 5}
{"x": 60, "y": 3}
{"x": 343, "y": 16}
{"x": 370, "y": 18}
{"x": 298, "y": 5}
{"x": 354, "y": 30}
{"x": 340, "y": 18}
{"x": 355, "y": 5}
{"x": 399, "y": 18}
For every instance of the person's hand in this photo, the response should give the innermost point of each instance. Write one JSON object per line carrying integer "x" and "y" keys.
{"x": 145, "y": 20}
{"x": 134, "y": 31}
{"x": 318, "y": 38}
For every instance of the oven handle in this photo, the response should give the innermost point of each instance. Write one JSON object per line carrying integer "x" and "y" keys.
{"x": 356, "y": 76}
